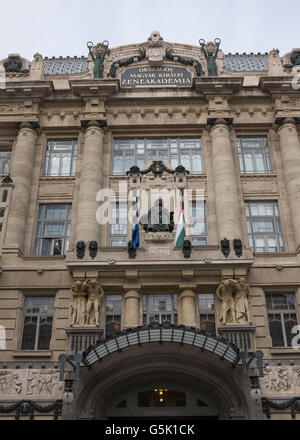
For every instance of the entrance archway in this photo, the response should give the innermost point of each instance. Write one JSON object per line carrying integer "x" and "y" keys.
{"x": 204, "y": 375}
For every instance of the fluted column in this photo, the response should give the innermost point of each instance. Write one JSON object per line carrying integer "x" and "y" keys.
{"x": 88, "y": 228}
{"x": 226, "y": 193}
{"x": 188, "y": 308}
{"x": 290, "y": 152}
{"x": 21, "y": 173}
{"x": 131, "y": 309}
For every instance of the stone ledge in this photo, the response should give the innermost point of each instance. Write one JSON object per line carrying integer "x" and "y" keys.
{"x": 284, "y": 351}
{"x": 32, "y": 354}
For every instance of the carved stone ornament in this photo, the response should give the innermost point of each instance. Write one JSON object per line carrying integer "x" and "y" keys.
{"x": 30, "y": 383}
{"x": 281, "y": 380}
{"x": 87, "y": 302}
{"x": 155, "y": 52}
{"x": 238, "y": 247}
{"x": 14, "y": 64}
{"x": 291, "y": 59}
{"x": 234, "y": 298}
{"x": 93, "y": 249}
{"x": 80, "y": 250}
{"x": 131, "y": 250}
{"x": 187, "y": 249}
{"x": 225, "y": 247}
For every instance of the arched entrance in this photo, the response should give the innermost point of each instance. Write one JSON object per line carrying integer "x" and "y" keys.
{"x": 197, "y": 383}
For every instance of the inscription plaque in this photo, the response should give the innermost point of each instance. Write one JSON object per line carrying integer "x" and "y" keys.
{"x": 166, "y": 76}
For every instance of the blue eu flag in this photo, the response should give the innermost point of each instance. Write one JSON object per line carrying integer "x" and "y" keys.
{"x": 136, "y": 234}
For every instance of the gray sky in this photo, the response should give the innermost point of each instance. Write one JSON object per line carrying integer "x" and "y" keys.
{"x": 62, "y": 27}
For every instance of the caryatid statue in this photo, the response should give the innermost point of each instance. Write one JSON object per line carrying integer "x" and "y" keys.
{"x": 95, "y": 295}
{"x": 225, "y": 294}
{"x": 78, "y": 305}
{"x": 210, "y": 51}
{"x": 242, "y": 310}
{"x": 98, "y": 54}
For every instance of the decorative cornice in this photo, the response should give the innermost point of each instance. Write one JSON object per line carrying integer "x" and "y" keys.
{"x": 94, "y": 87}
{"x": 276, "y": 85}
{"x": 218, "y": 85}
{"x": 27, "y": 89}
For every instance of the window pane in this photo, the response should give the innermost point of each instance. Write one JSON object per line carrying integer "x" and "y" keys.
{"x": 290, "y": 321}
{"x": 5, "y": 159}
{"x": 276, "y": 330}
{"x": 29, "y": 333}
{"x": 60, "y": 158}
{"x": 45, "y": 333}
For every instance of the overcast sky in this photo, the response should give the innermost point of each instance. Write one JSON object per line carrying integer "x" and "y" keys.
{"x": 63, "y": 27}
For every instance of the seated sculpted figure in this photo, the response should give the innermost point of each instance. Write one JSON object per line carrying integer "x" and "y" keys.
{"x": 95, "y": 295}
{"x": 158, "y": 219}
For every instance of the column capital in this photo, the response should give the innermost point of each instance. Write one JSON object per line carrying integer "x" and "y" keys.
{"x": 281, "y": 122}
{"x": 132, "y": 293}
{"x": 188, "y": 293}
{"x": 213, "y": 122}
{"x": 26, "y": 124}
{"x": 86, "y": 123}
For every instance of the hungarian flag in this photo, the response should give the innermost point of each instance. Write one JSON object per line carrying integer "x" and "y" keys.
{"x": 180, "y": 233}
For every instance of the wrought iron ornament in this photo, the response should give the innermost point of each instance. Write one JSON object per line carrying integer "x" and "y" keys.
{"x": 93, "y": 249}
{"x": 225, "y": 247}
{"x": 80, "y": 250}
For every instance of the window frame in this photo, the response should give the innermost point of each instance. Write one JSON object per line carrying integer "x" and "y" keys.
{"x": 116, "y": 205}
{"x": 47, "y": 159}
{"x": 147, "y": 314}
{"x": 40, "y": 221}
{"x": 38, "y": 315}
{"x": 190, "y": 217}
{"x": 208, "y": 312}
{"x": 133, "y": 147}
{"x": 112, "y": 313}
{"x": 276, "y": 220}
{"x": 281, "y": 312}
{"x": 264, "y": 148}
{"x": 8, "y": 151}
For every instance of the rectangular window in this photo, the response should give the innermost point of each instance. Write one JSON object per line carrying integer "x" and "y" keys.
{"x": 113, "y": 315}
{"x": 159, "y": 309}
{"x": 5, "y": 159}
{"x": 197, "y": 223}
{"x": 207, "y": 313}
{"x": 129, "y": 152}
{"x": 118, "y": 226}
{"x": 282, "y": 318}
{"x": 264, "y": 227}
{"x": 254, "y": 155}
{"x": 53, "y": 230}
{"x": 38, "y": 320}
{"x": 60, "y": 158}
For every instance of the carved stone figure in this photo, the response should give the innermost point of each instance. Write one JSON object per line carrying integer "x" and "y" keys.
{"x": 45, "y": 384}
{"x": 78, "y": 305}
{"x": 158, "y": 219}
{"x": 16, "y": 384}
{"x": 241, "y": 303}
{"x": 155, "y": 51}
{"x": 210, "y": 51}
{"x": 31, "y": 383}
{"x": 98, "y": 54}
{"x": 225, "y": 294}
{"x": 95, "y": 298}
{"x": 277, "y": 379}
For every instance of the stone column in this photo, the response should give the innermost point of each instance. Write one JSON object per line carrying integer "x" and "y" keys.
{"x": 131, "y": 309}
{"x": 188, "y": 308}
{"x": 290, "y": 152}
{"x": 21, "y": 173}
{"x": 90, "y": 183}
{"x": 226, "y": 193}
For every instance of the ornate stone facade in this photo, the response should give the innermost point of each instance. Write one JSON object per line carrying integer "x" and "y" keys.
{"x": 186, "y": 122}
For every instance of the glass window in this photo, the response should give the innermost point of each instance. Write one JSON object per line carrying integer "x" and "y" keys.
{"x": 113, "y": 314}
{"x": 118, "y": 226}
{"x": 254, "y": 155}
{"x": 129, "y": 152}
{"x": 60, "y": 158}
{"x": 5, "y": 159}
{"x": 159, "y": 309}
{"x": 38, "y": 320}
{"x": 282, "y": 318}
{"x": 207, "y": 313}
{"x": 264, "y": 227}
{"x": 197, "y": 223}
{"x": 53, "y": 230}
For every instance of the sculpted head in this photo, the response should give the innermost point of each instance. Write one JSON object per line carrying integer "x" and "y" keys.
{"x": 227, "y": 283}
{"x": 242, "y": 281}
{"x": 77, "y": 286}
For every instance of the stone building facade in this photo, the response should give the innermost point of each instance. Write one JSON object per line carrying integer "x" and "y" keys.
{"x": 168, "y": 343}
